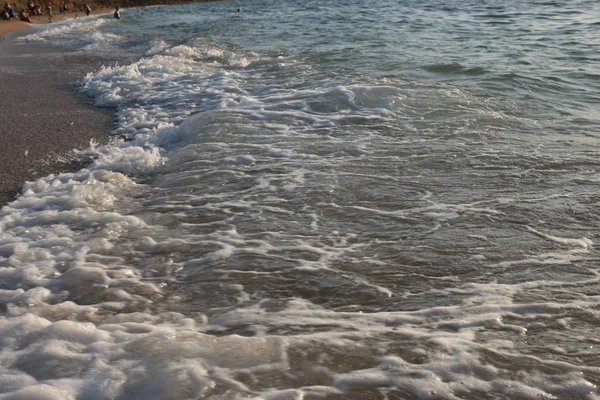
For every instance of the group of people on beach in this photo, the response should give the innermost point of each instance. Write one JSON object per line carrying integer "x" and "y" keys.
{"x": 32, "y": 10}
{"x": 8, "y": 13}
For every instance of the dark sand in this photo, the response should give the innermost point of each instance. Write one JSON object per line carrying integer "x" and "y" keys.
{"x": 43, "y": 117}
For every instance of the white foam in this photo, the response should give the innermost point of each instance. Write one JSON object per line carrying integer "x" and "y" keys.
{"x": 85, "y": 31}
{"x": 583, "y": 242}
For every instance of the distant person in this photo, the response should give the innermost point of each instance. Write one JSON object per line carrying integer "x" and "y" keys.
{"x": 88, "y": 10}
{"x": 9, "y": 10}
{"x": 117, "y": 13}
{"x": 24, "y": 16}
{"x": 50, "y": 14}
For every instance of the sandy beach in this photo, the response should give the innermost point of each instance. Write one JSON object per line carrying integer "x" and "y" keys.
{"x": 46, "y": 117}
{"x": 9, "y": 26}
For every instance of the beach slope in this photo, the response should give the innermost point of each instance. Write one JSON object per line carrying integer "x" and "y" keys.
{"x": 43, "y": 117}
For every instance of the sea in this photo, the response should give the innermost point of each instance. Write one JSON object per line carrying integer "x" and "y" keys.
{"x": 303, "y": 200}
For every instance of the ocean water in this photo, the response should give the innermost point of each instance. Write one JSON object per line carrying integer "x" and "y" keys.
{"x": 318, "y": 200}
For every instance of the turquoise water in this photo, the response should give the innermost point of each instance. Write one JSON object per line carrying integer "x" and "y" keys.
{"x": 350, "y": 200}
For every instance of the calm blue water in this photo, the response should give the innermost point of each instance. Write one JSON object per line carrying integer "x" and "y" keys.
{"x": 350, "y": 200}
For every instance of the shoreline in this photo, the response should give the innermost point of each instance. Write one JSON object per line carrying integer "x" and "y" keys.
{"x": 47, "y": 117}
{"x": 13, "y": 25}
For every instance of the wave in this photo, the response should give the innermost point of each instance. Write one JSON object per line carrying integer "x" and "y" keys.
{"x": 455, "y": 69}
{"x": 271, "y": 229}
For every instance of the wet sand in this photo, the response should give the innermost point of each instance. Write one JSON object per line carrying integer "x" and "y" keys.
{"x": 9, "y": 26}
{"x": 43, "y": 116}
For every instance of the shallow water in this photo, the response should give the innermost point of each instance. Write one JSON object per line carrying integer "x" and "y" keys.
{"x": 357, "y": 200}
